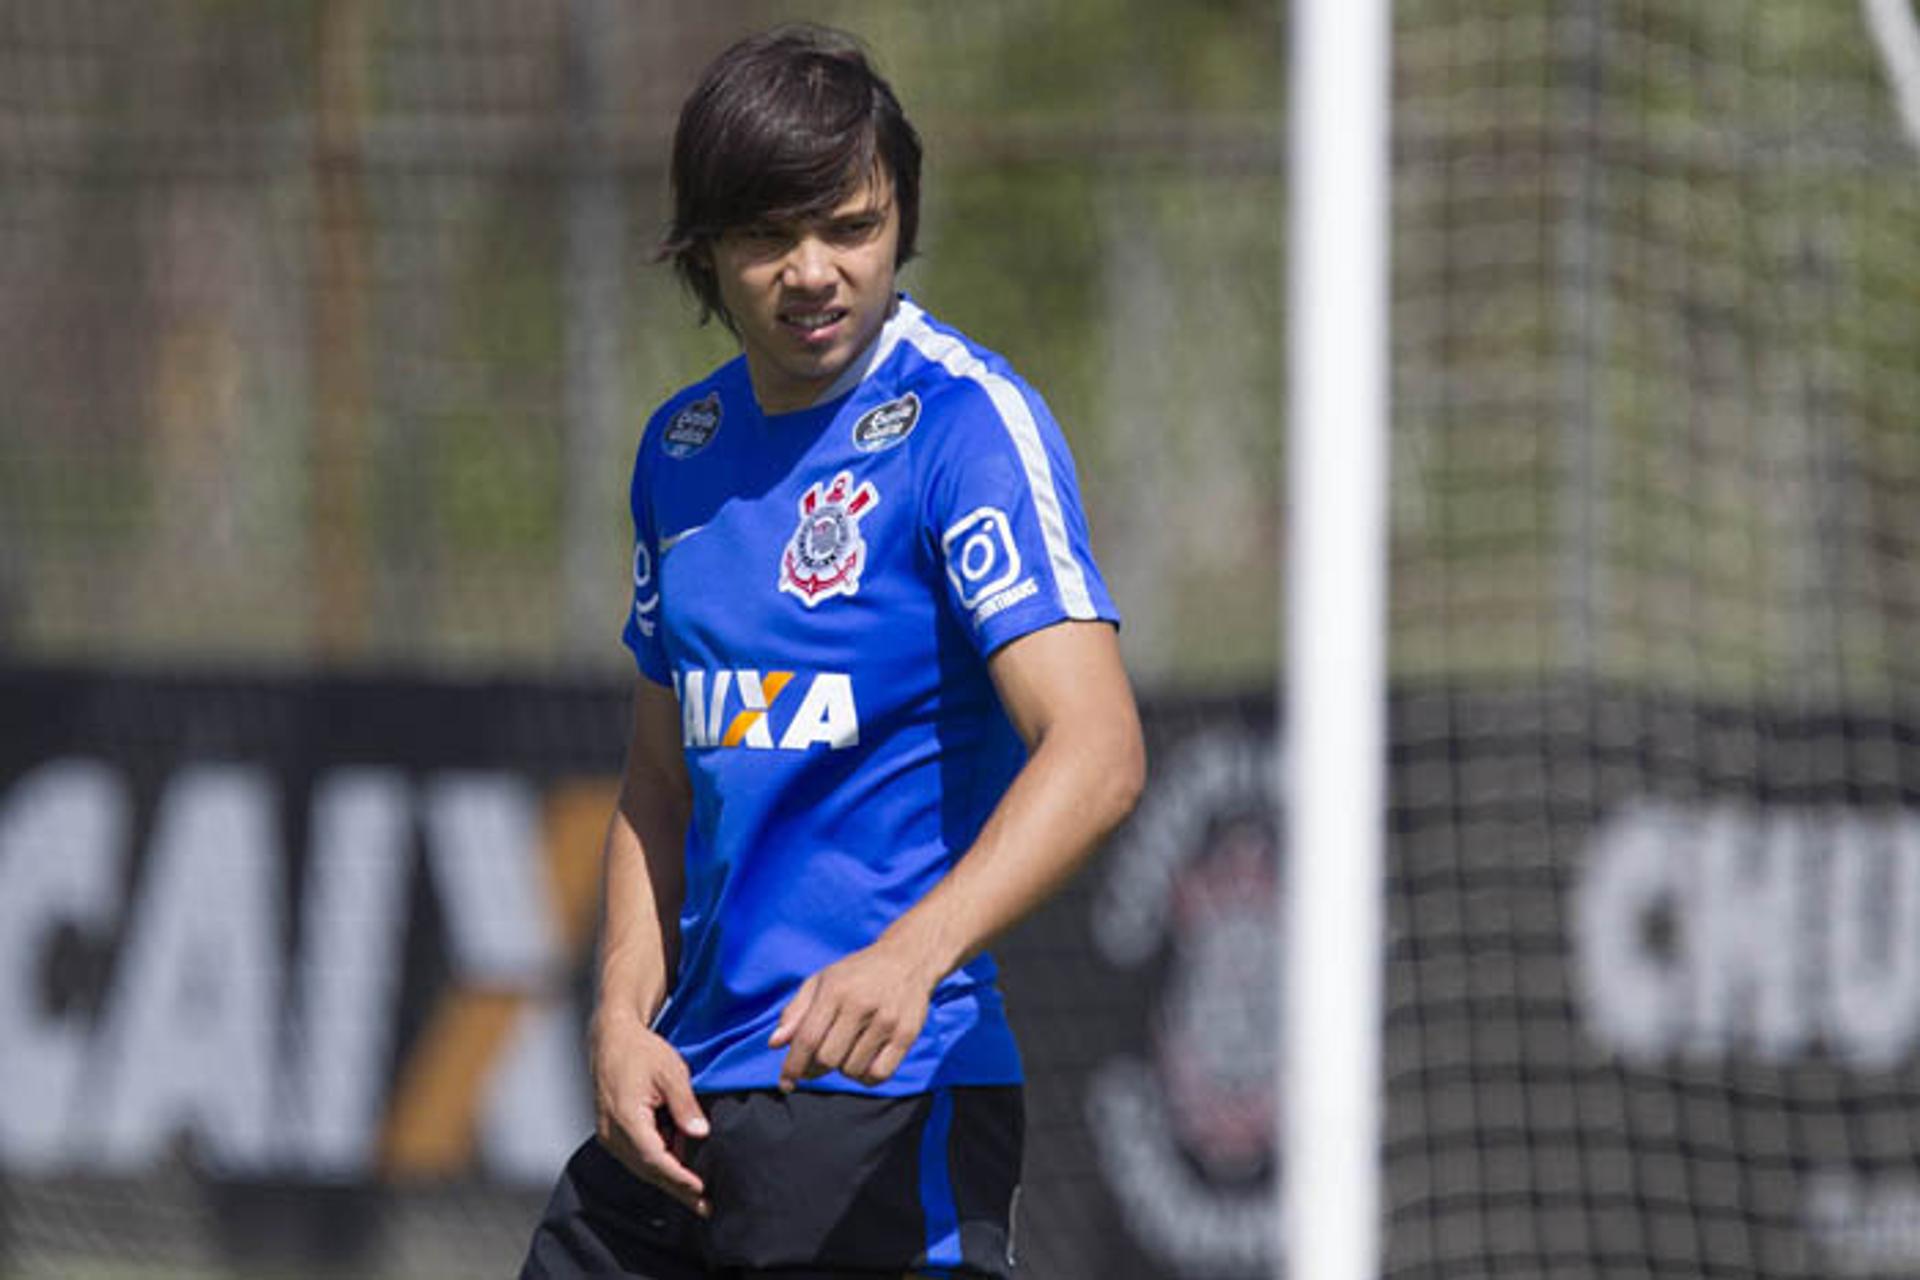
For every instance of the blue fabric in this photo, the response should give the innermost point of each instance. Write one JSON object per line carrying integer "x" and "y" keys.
{"x": 936, "y": 1187}
{"x": 822, "y": 590}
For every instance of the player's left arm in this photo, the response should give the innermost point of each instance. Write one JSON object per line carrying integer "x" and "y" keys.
{"x": 1067, "y": 694}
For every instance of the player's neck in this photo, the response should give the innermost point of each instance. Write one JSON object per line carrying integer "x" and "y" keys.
{"x": 846, "y": 380}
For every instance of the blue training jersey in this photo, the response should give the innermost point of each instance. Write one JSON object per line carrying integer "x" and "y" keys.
{"x": 822, "y": 590}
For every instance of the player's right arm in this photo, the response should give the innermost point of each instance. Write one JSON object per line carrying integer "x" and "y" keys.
{"x": 643, "y": 1095}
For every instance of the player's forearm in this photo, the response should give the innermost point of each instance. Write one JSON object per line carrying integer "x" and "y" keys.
{"x": 1079, "y": 783}
{"x": 642, "y": 884}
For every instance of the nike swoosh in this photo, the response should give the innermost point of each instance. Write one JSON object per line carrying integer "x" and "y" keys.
{"x": 673, "y": 539}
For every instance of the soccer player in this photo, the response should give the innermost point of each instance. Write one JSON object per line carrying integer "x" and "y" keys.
{"x": 881, "y": 715}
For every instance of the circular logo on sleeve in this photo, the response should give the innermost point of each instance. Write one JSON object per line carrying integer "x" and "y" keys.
{"x": 982, "y": 556}
{"x": 646, "y": 595}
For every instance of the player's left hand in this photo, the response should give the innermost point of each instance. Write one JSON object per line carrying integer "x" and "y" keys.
{"x": 858, "y": 1016}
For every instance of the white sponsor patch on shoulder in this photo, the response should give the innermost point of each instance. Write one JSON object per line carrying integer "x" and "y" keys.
{"x": 886, "y": 426}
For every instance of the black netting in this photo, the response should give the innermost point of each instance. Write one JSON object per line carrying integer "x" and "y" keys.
{"x": 1651, "y": 997}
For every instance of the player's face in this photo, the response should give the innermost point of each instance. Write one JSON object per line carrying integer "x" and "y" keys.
{"x": 807, "y": 297}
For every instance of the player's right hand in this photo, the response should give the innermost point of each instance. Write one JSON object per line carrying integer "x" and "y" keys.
{"x": 644, "y": 1105}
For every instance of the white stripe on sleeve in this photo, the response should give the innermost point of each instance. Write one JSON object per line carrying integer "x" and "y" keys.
{"x": 1017, "y": 418}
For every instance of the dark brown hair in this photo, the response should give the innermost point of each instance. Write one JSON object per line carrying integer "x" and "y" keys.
{"x": 784, "y": 126}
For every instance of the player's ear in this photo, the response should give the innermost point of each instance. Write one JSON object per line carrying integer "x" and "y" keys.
{"x": 699, "y": 271}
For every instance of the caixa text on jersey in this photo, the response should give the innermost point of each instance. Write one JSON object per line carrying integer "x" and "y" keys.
{"x": 766, "y": 710}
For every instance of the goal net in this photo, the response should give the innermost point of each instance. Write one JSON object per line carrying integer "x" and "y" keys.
{"x": 1654, "y": 950}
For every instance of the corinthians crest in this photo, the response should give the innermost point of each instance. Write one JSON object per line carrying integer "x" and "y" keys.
{"x": 826, "y": 553}
{"x": 1184, "y": 1124}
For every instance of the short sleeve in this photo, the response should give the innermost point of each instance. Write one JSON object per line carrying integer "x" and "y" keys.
{"x": 1004, "y": 518}
{"x": 642, "y": 631}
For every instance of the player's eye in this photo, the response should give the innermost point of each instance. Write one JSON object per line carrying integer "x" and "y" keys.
{"x": 854, "y": 230}
{"x": 762, "y": 237}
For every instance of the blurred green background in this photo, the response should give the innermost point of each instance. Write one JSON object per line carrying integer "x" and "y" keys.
{"x": 329, "y": 326}
{"x": 332, "y": 326}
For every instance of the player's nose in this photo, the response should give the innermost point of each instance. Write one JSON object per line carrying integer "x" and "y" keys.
{"x": 809, "y": 265}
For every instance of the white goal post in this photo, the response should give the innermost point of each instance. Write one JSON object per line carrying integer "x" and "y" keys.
{"x": 1334, "y": 677}
{"x": 1896, "y": 34}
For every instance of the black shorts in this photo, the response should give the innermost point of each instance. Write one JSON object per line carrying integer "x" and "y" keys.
{"x": 805, "y": 1185}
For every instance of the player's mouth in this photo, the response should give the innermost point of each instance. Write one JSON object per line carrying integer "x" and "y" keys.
{"x": 814, "y": 324}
